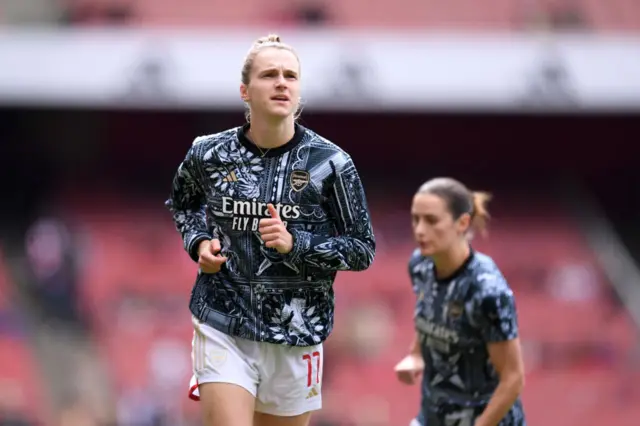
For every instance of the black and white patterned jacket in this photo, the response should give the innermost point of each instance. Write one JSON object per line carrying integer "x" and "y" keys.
{"x": 221, "y": 190}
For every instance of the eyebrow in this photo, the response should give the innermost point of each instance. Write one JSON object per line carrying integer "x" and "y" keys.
{"x": 424, "y": 214}
{"x": 286, "y": 70}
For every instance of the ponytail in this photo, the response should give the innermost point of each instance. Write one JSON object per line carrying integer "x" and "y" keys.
{"x": 480, "y": 214}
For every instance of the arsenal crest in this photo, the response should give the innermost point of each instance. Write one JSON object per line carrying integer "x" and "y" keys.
{"x": 299, "y": 180}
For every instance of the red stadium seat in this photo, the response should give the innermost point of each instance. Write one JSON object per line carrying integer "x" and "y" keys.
{"x": 531, "y": 245}
{"x": 493, "y": 15}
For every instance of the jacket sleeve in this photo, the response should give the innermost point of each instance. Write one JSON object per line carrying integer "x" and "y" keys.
{"x": 187, "y": 205}
{"x": 353, "y": 248}
{"x": 414, "y": 261}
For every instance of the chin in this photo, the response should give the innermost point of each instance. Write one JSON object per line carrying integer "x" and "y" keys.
{"x": 280, "y": 113}
{"x": 427, "y": 252}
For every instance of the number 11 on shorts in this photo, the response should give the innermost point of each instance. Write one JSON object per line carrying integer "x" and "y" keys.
{"x": 309, "y": 358}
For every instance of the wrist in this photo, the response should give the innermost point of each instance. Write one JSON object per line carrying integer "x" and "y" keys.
{"x": 300, "y": 241}
{"x": 202, "y": 245}
{"x": 415, "y": 348}
{"x": 193, "y": 246}
{"x": 480, "y": 421}
{"x": 289, "y": 247}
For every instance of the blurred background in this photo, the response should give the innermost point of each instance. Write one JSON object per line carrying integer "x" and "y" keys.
{"x": 537, "y": 101}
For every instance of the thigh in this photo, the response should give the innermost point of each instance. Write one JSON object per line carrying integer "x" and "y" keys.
{"x": 226, "y": 404}
{"x": 291, "y": 382}
{"x": 262, "y": 419}
{"x": 220, "y": 358}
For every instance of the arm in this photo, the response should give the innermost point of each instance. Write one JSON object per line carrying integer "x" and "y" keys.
{"x": 410, "y": 368}
{"x": 506, "y": 358}
{"x": 354, "y": 248}
{"x": 187, "y": 205}
{"x": 414, "y": 348}
{"x": 500, "y": 331}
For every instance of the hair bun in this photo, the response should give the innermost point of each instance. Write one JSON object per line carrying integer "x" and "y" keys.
{"x": 271, "y": 38}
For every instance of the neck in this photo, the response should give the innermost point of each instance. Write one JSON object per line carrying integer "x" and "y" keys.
{"x": 271, "y": 134}
{"x": 448, "y": 263}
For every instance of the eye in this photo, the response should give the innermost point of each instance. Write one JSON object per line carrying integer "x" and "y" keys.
{"x": 432, "y": 220}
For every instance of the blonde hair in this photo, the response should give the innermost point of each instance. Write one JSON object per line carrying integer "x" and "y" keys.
{"x": 460, "y": 200}
{"x": 480, "y": 214}
{"x": 273, "y": 41}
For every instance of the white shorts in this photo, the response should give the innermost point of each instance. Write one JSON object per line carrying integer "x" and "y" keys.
{"x": 285, "y": 380}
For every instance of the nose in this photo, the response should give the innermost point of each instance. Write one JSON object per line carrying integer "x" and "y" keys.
{"x": 420, "y": 229}
{"x": 281, "y": 82}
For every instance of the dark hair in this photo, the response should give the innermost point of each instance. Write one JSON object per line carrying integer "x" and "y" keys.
{"x": 461, "y": 200}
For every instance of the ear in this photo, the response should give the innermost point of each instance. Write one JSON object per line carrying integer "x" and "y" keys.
{"x": 244, "y": 93}
{"x": 464, "y": 223}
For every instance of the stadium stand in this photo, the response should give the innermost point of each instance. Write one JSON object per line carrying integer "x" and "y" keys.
{"x": 564, "y": 302}
{"x": 615, "y": 15}
{"x": 580, "y": 344}
{"x": 19, "y": 376}
{"x": 4, "y": 287}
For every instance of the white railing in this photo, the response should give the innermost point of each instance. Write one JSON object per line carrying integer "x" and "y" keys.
{"x": 613, "y": 256}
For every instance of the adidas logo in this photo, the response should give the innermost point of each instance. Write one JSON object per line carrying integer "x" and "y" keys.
{"x": 231, "y": 177}
{"x": 313, "y": 393}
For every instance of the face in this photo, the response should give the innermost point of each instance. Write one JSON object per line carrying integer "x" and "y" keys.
{"x": 274, "y": 87}
{"x": 434, "y": 228}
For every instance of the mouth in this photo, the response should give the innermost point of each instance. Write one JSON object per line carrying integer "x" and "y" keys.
{"x": 280, "y": 98}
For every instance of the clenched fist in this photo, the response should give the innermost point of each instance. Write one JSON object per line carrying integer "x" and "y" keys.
{"x": 209, "y": 259}
{"x": 410, "y": 369}
{"x": 274, "y": 233}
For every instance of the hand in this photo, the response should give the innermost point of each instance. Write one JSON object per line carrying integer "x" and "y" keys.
{"x": 410, "y": 369}
{"x": 209, "y": 259}
{"x": 274, "y": 233}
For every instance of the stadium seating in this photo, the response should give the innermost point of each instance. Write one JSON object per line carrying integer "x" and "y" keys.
{"x": 4, "y": 286}
{"x": 614, "y": 15}
{"x": 19, "y": 379}
{"x": 457, "y": 15}
{"x": 142, "y": 275}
